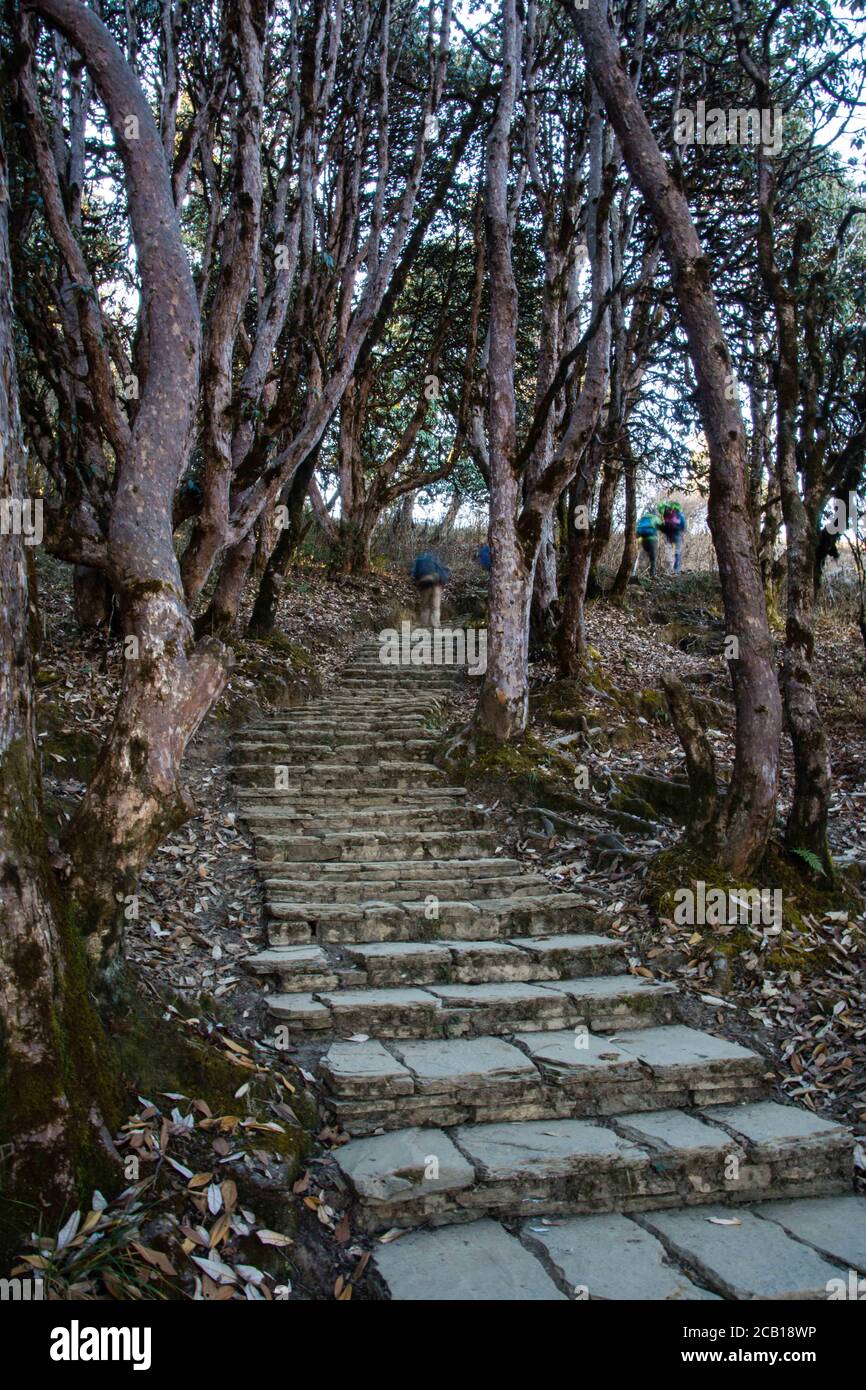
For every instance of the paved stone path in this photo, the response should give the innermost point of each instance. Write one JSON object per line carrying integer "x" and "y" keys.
{"x": 531, "y": 1115}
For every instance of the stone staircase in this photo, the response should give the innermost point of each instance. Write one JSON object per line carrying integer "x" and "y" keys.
{"x": 528, "y": 1116}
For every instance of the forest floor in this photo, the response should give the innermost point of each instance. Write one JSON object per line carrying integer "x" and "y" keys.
{"x": 230, "y": 1189}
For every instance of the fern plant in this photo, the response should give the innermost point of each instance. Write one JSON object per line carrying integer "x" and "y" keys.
{"x": 811, "y": 859}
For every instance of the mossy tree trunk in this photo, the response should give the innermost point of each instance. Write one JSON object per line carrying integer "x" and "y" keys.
{"x": 56, "y": 1084}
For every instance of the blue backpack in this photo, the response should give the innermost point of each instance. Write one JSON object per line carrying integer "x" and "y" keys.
{"x": 647, "y": 526}
{"x": 427, "y": 567}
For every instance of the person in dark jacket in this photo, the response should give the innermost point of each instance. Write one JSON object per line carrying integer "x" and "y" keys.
{"x": 430, "y": 577}
{"x": 673, "y": 526}
{"x": 484, "y": 557}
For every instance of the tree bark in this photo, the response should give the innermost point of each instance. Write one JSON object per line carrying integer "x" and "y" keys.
{"x": 264, "y": 615}
{"x": 57, "y": 1082}
{"x": 603, "y": 525}
{"x": 504, "y": 700}
{"x": 91, "y": 598}
{"x": 747, "y": 814}
{"x": 571, "y": 639}
{"x": 516, "y": 532}
{"x": 629, "y": 540}
{"x": 700, "y": 763}
{"x": 806, "y": 827}
{"x": 135, "y": 796}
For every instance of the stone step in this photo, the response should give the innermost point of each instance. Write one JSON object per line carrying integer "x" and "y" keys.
{"x": 409, "y": 870}
{"x": 342, "y": 728}
{"x": 486, "y": 962}
{"x": 297, "y": 751}
{"x": 334, "y": 736}
{"x": 372, "y": 684}
{"x": 634, "y": 1162}
{"x": 371, "y": 1086}
{"x": 288, "y": 820}
{"x": 808, "y": 1249}
{"x": 301, "y": 968}
{"x": 484, "y": 919}
{"x": 358, "y": 846}
{"x": 378, "y": 965}
{"x": 314, "y": 775}
{"x": 360, "y": 798}
{"x": 341, "y": 702}
{"x": 600, "y": 1003}
{"x": 359, "y": 888}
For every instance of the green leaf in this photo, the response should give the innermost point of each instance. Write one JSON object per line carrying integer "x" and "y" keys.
{"x": 811, "y": 859}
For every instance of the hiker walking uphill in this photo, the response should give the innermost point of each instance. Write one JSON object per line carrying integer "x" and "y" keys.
{"x": 430, "y": 577}
{"x": 648, "y": 532}
{"x": 673, "y": 525}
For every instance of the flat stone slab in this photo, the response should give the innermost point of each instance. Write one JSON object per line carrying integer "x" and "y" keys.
{"x": 401, "y": 952}
{"x": 675, "y": 1129}
{"x": 364, "y": 1069}
{"x": 306, "y": 959}
{"x": 767, "y": 1123}
{"x": 753, "y": 1259}
{"x": 452, "y": 1064}
{"x": 303, "y": 1010}
{"x": 679, "y": 1046}
{"x": 607, "y": 987}
{"x": 835, "y": 1226}
{"x": 474, "y": 996}
{"x": 578, "y": 1050}
{"x": 397, "y": 1167}
{"x": 540, "y": 1148}
{"x": 569, "y": 941}
{"x": 610, "y": 1257}
{"x": 480, "y": 1262}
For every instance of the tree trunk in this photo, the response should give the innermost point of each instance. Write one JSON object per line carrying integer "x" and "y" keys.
{"x": 806, "y": 827}
{"x": 504, "y": 701}
{"x": 135, "y": 796}
{"x": 603, "y": 525}
{"x": 351, "y": 551}
{"x": 264, "y": 615}
{"x": 629, "y": 540}
{"x": 222, "y": 612}
{"x": 807, "y": 821}
{"x": 91, "y": 598}
{"x": 747, "y": 814}
{"x": 57, "y": 1082}
{"x": 571, "y": 640}
{"x": 545, "y": 589}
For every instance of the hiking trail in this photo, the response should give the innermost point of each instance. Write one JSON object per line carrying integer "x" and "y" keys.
{"x": 531, "y": 1113}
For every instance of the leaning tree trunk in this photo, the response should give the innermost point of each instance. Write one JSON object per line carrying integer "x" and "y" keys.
{"x": 135, "y": 796}
{"x": 747, "y": 814}
{"x": 57, "y": 1085}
